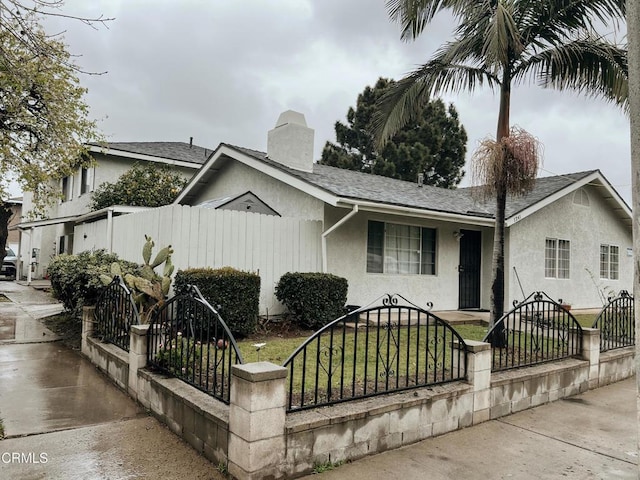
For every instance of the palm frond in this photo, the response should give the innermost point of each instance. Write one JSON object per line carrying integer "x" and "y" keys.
{"x": 588, "y": 65}
{"x": 414, "y": 15}
{"x": 400, "y": 105}
{"x": 501, "y": 38}
{"x": 554, "y": 21}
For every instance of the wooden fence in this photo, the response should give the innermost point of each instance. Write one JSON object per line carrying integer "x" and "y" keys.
{"x": 266, "y": 244}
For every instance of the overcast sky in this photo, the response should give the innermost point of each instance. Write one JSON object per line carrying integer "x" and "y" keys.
{"x": 223, "y": 70}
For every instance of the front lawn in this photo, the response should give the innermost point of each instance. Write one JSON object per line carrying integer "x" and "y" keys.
{"x": 278, "y": 349}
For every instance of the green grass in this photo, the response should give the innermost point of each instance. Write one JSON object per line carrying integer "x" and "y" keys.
{"x": 586, "y": 320}
{"x": 326, "y": 466}
{"x": 360, "y": 365}
{"x": 277, "y": 350}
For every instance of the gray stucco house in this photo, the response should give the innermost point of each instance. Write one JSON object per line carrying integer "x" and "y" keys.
{"x": 570, "y": 237}
{"x": 54, "y": 234}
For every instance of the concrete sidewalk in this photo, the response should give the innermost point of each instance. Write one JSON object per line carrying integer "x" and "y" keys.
{"x": 590, "y": 436}
{"x": 63, "y": 419}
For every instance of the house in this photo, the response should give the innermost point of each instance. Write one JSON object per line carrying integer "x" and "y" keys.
{"x": 54, "y": 234}
{"x": 569, "y": 237}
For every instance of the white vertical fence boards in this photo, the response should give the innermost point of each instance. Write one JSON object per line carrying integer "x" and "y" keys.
{"x": 268, "y": 245}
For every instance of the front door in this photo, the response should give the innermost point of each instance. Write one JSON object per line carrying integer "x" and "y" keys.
{"x": 469, "y": 269}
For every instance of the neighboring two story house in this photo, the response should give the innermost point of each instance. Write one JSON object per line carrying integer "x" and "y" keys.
{"x": 43, "y": 238}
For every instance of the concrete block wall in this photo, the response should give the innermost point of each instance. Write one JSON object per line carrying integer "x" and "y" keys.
{"x": 256, "y": 439}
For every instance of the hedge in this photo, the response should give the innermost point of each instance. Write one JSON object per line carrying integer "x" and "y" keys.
{"x": 234, "y": 293}
{"x": 313, "y": 299}
{"x": 75, "y": 279}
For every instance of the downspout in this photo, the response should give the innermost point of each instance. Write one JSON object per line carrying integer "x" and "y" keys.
{"x": 110, "y": 230}
{"x": 326, "y": 234}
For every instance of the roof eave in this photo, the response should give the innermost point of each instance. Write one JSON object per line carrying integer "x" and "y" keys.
{"x": 103, "y": 212}
{"x": 595, "y": 176}
{"x": 417, "y": 212}
{"x": 146, "y": 158}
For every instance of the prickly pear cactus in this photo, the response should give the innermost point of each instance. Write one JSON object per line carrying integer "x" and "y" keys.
{"x": 149, "y": 289}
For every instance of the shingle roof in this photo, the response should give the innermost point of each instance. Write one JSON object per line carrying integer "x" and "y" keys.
{"x": 181, "y": 151}
{"x": 544, "y": 187}
{"x": 374, "y": 188}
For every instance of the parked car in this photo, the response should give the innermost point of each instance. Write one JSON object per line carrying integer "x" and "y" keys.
{"x": 9, "y": 264}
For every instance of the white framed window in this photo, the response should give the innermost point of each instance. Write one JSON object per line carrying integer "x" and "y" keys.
{"x": 400, "y": 249}
{"x": 609, "y": 262}
{"x": 557, "y": 258}
{"x": 66, "y": 185}
{"x": 581, "y": 197}
{"x": 86, "y": 180}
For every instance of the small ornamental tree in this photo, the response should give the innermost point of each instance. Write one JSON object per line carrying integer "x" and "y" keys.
{"x": 142, "y": 186}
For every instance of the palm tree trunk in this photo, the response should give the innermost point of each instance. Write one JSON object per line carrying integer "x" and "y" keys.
{"x": 633, "y": 18}
{"x": 497, "y": 280}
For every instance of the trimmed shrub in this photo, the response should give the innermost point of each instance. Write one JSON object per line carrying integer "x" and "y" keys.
{"x": 75, "y": 279}
{"x": 313, "y": 299}
{"x": 234, "y": 293}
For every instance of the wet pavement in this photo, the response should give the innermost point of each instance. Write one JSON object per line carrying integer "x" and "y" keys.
{"x": 589, "y": 436}
{"x": 58, "y": 389}
{"x": 63, "y": 419}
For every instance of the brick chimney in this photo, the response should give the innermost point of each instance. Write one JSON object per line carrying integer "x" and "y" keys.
{"x": 291, "y": 142}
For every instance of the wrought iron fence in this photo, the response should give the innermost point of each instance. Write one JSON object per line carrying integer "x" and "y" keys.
{"x": 114, "y": 314}
{"x": 390, "y": 346}
{"x": 536, "y": 330}
{"x": 189, "y": 340}
{"x": 616, "y": 322}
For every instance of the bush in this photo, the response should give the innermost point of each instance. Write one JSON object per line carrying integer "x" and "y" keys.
{"x": 237, "y": 294}
{"x": 75, "y": 279}
{"x": 313, "y": 299}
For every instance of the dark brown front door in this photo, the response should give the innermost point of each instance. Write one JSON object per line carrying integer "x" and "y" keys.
{"x": 469, "y": 269}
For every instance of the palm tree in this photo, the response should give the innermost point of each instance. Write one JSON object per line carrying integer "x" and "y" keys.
{"x": 504, "y": 43}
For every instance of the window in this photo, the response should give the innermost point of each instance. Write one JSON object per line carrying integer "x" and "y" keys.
{"x": 580, "y": 197}
{"x": 400, "y": 249}
{"x": 557, "y": 258}
{"x": 84, "y": 180}
{"x": 609, "y": 261}
{"x": 66, "y": 186}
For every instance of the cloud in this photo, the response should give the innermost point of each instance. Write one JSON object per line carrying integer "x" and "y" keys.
{"x": 223, "y": 71}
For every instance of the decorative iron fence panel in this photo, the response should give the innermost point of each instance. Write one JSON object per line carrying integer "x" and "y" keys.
{"x": 114, "y": 314}
{"x": 189, "y": 340}
{"x": 537, "y": 330}
{"x": 390, "y": 347}
{"x": 616, "y": 323}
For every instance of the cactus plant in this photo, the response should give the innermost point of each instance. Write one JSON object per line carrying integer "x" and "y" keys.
{"x": 149, "y": 290}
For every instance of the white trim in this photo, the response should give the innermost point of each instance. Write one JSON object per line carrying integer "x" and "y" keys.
{"x": 572, "y": 187}
{"x": 418, "y": 212}
{"x": 147, "y": 158}
{"x": 102, "y": 213}
{"x": 44, "y": 223}
{"x": 105, "y": 212}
